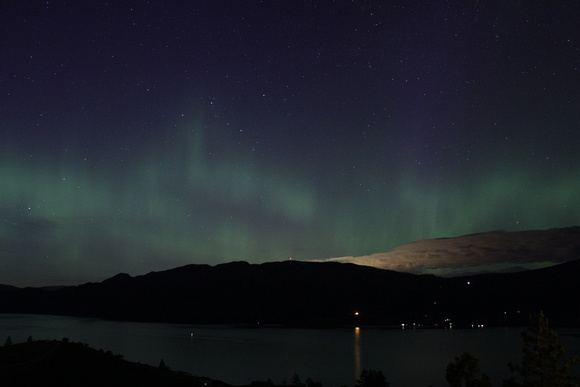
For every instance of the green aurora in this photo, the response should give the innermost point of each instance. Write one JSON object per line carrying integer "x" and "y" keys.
{"x": 145, "y": 136}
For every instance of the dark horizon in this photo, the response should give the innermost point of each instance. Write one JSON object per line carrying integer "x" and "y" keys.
{"x": 481, "y": 253}
{"x": 313, "y": 294}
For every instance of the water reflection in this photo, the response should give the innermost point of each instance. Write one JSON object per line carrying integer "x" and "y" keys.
{"x": 357, "y": 353}
{"x": 416, "y": 357}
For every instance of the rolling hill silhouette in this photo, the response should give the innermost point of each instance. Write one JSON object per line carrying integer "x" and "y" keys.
{"x": 297, "y": 293}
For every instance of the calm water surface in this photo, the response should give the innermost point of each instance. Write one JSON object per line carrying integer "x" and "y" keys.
{"x": 334, "y": 357}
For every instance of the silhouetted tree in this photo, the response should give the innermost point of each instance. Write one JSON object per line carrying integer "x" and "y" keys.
{"x": 312, "y": 383}
{"x": 162, "y": 365}
{"x": 463, "y": 372}
{"x": 544, "y": 361}
{"x": 261, "y": 383}
{"x": 371, "y": 378}
{"x": 8, "y": 341}
{"x": 296, "y": 382}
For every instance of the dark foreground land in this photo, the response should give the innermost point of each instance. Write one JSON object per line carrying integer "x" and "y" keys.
{"x": 62, "y": 363}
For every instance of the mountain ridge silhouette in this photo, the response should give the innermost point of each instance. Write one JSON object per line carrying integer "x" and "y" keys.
{"x": 299, "y": 293}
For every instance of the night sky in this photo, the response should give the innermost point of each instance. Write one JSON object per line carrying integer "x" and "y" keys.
{"x": 139, "y": 136}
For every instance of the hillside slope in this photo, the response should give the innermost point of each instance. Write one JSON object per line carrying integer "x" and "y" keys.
{"x": 61, "y": 363}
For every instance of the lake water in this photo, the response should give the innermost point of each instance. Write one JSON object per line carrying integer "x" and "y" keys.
{"x": 334, "y": 357}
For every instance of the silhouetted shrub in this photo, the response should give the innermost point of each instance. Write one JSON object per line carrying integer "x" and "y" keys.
{"x": 463, "y": 372}
{"x": 371, "y": 378}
